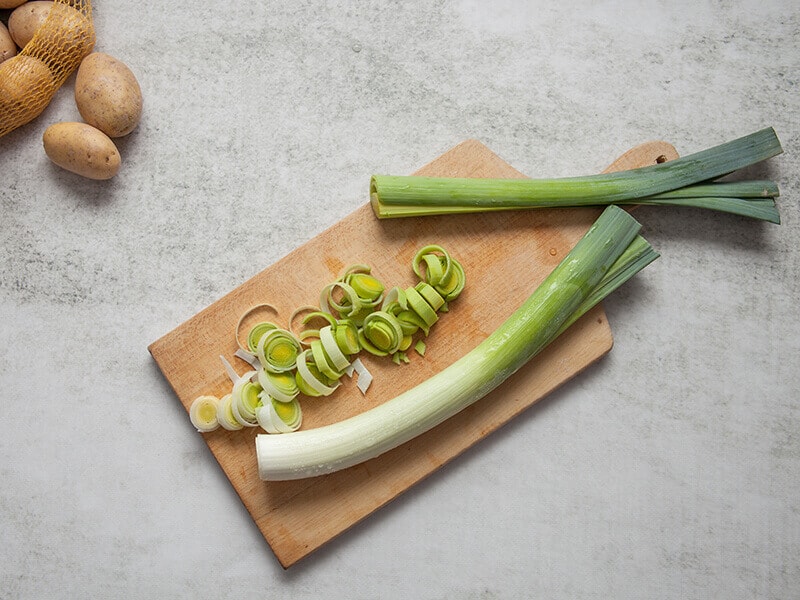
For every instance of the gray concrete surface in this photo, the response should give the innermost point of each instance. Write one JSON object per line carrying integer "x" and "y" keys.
{"x": 669, "y": 470}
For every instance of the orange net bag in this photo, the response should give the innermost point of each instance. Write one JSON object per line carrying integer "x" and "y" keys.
{"x": 29, "y": 80}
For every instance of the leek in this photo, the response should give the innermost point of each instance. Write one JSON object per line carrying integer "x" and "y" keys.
{"x": 608, "y": 254}
{"x": 203, "y": 413}
{"x": 685, "y": 181}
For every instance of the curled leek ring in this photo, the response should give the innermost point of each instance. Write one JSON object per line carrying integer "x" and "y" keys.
{"x": 394, "y": 301}
{"x": 314, "y": 313}
{"x": 357, "y": 268}
{"x": 339, "y": 360}
{"x": 437, "y": 270}
{"x": 246, "y": 314}
{"x": 323, "y": 361}
{"x": 310, "y": 380}
{"x": 454, "y": 285}
{"x": 347, "y": 306}
{"x": 277, "y": 350}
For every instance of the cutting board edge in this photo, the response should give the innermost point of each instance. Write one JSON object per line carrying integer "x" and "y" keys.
{"x": 288, "y": 559}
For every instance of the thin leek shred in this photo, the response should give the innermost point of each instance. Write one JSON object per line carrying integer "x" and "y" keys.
{"x": 591, "y": 270}
{"x": 685, "y": 181}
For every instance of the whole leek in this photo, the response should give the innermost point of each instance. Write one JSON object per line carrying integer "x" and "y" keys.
{"x": 680, "y": 182}
{"x": 609, "y": 253}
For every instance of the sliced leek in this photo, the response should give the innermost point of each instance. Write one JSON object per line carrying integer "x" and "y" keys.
{"x": 277, "y": 350}
{"x": 244, "y": 399}
{"x": 535, "y": 324}
{"x": 279, "y": 417}
{"x": 310, "y": 379}
{"x": 225, "y": 414}
{"x": 363, "y": 376}
{"x": 382, "y": 332}
{"x": 281, "y": 386}
{"x": 203, "y": 413}
{"x": 327, "y": 339}
{"x": 248, "y": 347}
{"x": 683, "y": 182}
{"x": 346, "y": 334}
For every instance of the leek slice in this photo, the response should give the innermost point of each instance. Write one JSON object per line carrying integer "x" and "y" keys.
{"x": 277, "y": 350}
{"x": 323, "y": 361}
{"x": 225, "y": 414}
{"x": 539, "y": 320}
{"x": 327, "y": 338}
{"x": 347, "y": 306}
{"x": 244, "y": 399}
{"x": 346, "y": 334}
{"x": 237, "y": 331}
{"x": 431, "y": 296}
{"x": 436, "y": 268}
{"x": 310, "y": 379}
{"x": 363, "y": 376}
{"x": 411, "y": 322}
{"x": 394, "y": 301}
{"x": 203, "y": 413}
{"x": 382, "y": 331}
{"x": 366, "y": 286}
{"x": 399, "y": 196}
{"x": 420, "y": 306}
{"x": 314, "y": 314}
{"x": 279, "y": 417}
{"x": 281, "y": 386}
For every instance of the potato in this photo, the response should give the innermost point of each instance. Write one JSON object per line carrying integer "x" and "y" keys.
{"x": 82, "y": 149}
{"x": 69, "y": 35}
{"x": 25, "y": 20}
{"x": 11, "y": 3}
{"x": 108, "y": 95}
{"x": 21, "y": 77}
{"x": 7, "y": 46}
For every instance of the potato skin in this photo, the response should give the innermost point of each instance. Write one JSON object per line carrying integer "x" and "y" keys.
{"x": 108, "y": 95}
{"x": 25, "y": 20}
{"x": 8, "y": 48}
{"x": 20, "y": 77}
{"x": 82, "y": 149}
{"x": 11, "y": 3}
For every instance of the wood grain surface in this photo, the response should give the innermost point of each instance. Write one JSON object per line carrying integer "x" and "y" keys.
{"x": 505, "y": 256}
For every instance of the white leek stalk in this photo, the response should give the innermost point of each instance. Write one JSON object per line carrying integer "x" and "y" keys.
{"x": 535, "y": 324}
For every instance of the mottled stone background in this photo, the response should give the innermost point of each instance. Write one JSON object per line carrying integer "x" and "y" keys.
{"x": 671, "y": 469}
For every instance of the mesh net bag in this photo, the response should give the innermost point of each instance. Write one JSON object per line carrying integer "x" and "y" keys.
{"x": 29, "y": 80}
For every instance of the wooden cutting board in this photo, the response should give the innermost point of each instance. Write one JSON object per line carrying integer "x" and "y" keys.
{"x": 505, "y": 256}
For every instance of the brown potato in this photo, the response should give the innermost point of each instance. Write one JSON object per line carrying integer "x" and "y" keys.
{"x": 65, "y": 34}
{"x": 7, "y": 46}
{"x": 21, "y": 78}
{"x": 108, "y": 95}
{"x": 82, "y": 149}
{"x": 11, "y": 3}
{"x": 25, "y": 20}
